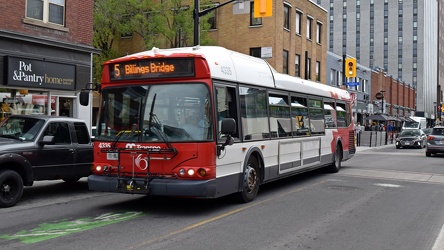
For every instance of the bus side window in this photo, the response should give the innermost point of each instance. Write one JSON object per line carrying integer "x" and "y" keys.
{"x": 226, "y": 107}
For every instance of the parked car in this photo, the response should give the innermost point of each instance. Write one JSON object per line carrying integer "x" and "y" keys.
{"x": 411, "y": 138}
{"x": 427, "y": 131}
{"x": 39, "y": 147}
{"x": 435, "y": 141}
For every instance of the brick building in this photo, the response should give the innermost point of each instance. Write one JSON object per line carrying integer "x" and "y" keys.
{"x": 45, "y": 54}
{"x": 399, "y": 97}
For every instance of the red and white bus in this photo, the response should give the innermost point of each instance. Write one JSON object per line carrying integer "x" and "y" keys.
{"x": 206, "y": 122}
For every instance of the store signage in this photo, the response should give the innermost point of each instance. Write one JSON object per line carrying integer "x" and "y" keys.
{"x": 379, "y": 95}
{"x": 30, "y": 73}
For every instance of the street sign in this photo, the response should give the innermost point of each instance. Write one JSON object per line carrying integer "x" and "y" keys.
{"x": 352, "y": 84}
{"x": 266, "y": 52}
{"x": 241, "y": 7}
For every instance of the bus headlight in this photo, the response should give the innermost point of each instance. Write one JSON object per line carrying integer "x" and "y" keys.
{"x": 98, "y": 168}
{"x": 190, "y": 172}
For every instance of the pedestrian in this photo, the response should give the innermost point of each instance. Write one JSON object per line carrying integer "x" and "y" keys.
{"x": 358, "y": 131}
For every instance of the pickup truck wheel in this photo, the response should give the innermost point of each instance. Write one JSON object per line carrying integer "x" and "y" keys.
{"x": 71, "y": 180}
{"x": 11, "y": 188}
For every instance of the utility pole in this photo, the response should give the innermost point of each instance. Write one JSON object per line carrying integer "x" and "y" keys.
{"x": 197, "y": 14}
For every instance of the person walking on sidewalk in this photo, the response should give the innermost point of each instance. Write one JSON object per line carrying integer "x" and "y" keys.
{"x": 358, "y": 130}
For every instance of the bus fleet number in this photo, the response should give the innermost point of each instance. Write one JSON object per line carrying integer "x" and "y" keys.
{"x": 226, "y": 70}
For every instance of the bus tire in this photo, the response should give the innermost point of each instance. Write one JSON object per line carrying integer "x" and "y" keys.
{"x": 251, "y": 181}
{"x": 337, "y": 160}
{"x": 11, "y": 188}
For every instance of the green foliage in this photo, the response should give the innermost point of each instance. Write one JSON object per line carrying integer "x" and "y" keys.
{"x": 160, "y": 23}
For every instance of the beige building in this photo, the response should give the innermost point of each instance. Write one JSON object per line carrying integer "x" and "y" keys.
{"x": 293, "y": 39}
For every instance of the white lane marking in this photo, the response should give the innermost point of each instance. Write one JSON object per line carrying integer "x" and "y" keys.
{"x": 439, "y": 242}
{"x": 387, "y": 185}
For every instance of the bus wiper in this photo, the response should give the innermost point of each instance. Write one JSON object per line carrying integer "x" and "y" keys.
{"x": 150, "y": 121}
{"x": 153, "y": 117}
{"x": 122, "y": 132}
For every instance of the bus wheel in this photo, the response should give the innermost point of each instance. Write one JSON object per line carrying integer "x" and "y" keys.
{"x": 11, "y": 188}
{"x": 336, "y": 164}
{"x": 251, "y": 181}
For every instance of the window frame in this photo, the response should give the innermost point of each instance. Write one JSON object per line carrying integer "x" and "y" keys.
{"x": 46, "y": 11}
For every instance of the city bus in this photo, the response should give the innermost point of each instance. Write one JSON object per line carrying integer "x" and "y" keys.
{"x": 206, "y": 122}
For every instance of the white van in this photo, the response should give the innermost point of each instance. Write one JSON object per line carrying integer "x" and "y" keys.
{"x": 417, "y": 122}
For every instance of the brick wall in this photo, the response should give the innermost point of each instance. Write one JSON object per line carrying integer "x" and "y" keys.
{"x": 78, "y": 27}
{"x": 396, "y": 93}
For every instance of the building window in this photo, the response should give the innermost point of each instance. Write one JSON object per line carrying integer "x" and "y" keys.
{"x": 212, "y": 20}
{"x": 318, "y": 69}
{"x": 308, "y": 73}
{"x": 318, "y": 32}
{"x": 256, "y": 52}
{"x": 286, "y": 16}
{"x": 298, "y": 22}
{"x": 297, "y": 65}
{"x": 333, "y": 77}
{"x": 309, "y": 21}
{"x": 48, "y": 11}
{"x": 254, "y": 21}
{"x": 285, "y": 62}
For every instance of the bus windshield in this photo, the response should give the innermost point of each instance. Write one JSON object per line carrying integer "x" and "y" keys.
{"x": 150, "y": 113}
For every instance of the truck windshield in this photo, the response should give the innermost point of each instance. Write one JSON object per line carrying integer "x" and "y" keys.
{"x": 167, "y": 112}
{"x": 22, "y": 128}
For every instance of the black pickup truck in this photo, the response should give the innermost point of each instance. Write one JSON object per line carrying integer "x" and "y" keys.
{"x": 36, "y": 147}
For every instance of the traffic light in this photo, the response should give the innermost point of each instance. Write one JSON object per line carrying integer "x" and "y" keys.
{"x": 442, "y": 108}
{"x": 350, "y": 67}
{"x": 262, "y": 8}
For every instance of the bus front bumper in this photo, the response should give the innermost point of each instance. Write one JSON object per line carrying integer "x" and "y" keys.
{"x": 161, "y": 187}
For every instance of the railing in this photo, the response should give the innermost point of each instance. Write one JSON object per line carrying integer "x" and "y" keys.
{"x": 374, "y": 138}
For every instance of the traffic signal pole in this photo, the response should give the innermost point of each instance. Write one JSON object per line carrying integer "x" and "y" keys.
{"x": 197, "y": 14}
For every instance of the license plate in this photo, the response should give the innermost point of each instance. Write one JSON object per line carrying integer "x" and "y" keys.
{"x": 407, "y": 143}
{"x": 111, "y": 156}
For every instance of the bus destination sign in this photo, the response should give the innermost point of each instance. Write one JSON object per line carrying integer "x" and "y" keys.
{"x": 152, "y": 68}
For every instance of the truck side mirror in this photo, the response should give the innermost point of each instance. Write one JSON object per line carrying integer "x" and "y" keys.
{"x": 84, "y": 98}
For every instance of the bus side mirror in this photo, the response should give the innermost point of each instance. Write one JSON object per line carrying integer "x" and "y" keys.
{"x": 228, "y": 126}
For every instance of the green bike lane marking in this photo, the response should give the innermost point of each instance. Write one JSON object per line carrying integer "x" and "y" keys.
{"x": 48, "y": 231}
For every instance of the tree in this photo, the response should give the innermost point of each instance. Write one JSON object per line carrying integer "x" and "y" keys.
{"x": 159, "y": 23}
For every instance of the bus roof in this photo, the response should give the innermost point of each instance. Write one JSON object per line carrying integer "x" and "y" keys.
{"x": 233, "y": 66}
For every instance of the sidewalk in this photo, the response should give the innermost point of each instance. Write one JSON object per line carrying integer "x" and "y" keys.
{"x": 364, "y": 148}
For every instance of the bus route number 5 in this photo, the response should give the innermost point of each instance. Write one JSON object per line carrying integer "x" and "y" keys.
{"x": 116, "y": 70}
